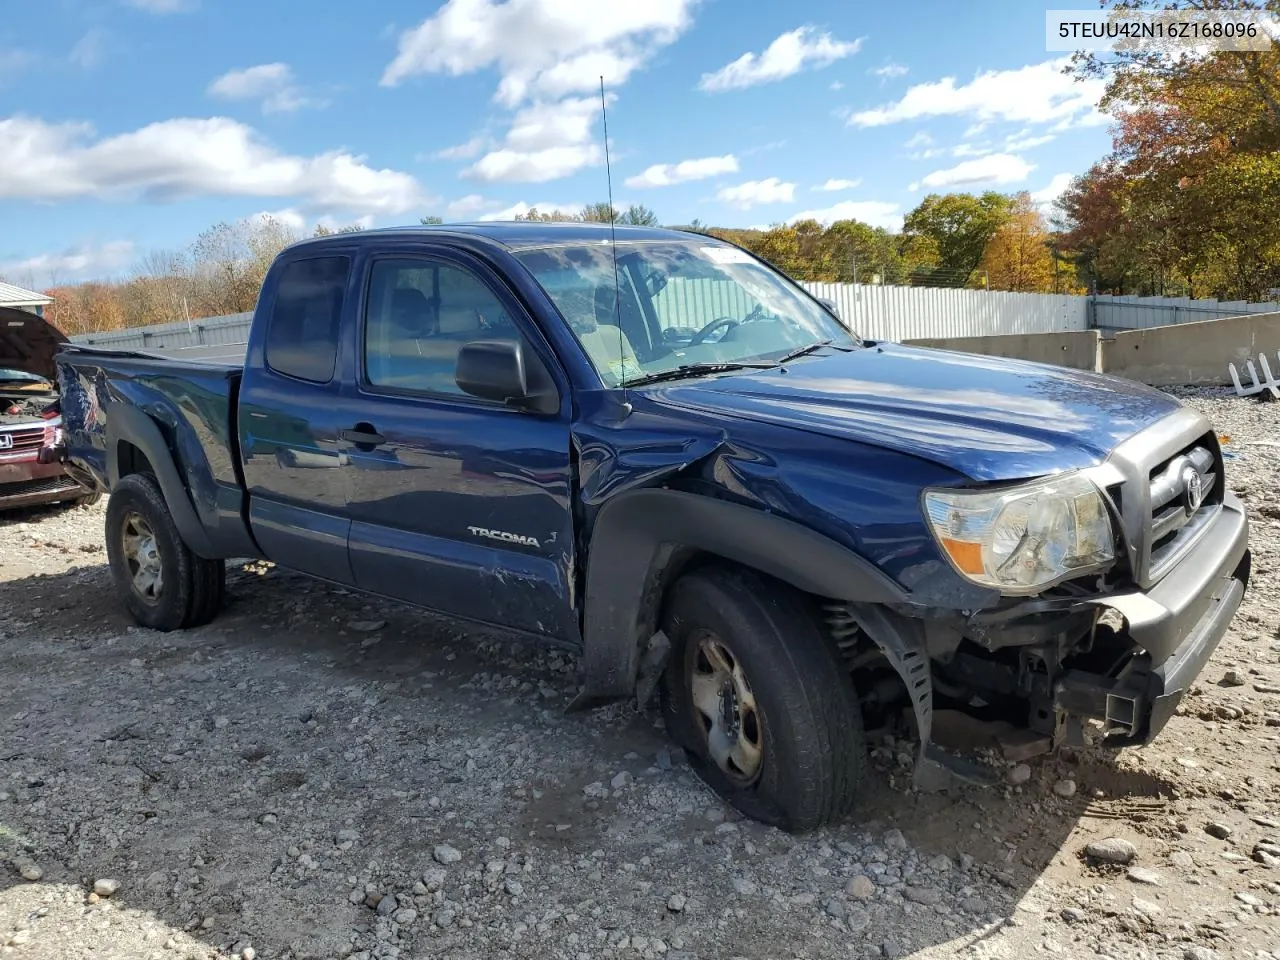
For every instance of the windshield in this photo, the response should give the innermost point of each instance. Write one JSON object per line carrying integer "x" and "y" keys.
{"x": 677, "y": 304}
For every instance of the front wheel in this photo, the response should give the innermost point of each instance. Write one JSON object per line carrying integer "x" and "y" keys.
{"x": 165, "y": 586}
{"x": 760, "y": 701}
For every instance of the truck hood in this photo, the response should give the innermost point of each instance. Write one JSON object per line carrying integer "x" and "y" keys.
{"x": 988, "y": 418}
{"x": 29, "y": 343}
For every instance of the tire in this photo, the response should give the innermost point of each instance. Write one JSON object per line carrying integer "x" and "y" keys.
{"x": 165, "y": 586}
{"x": 806, "y": 734}
{"x": 88, "y": 500}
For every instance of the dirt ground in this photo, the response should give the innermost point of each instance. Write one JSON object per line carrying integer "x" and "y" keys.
{"x": 319, "y": 776}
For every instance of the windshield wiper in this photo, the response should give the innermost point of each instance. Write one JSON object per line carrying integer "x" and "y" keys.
{"x": 796, "y": 354}
{"x": 694, "y": 370}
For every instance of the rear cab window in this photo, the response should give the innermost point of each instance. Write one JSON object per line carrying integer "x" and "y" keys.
{"x": 306, "y": 315}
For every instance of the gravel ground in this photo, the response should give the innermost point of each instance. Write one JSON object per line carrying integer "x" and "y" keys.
{"x": 315, "y": 776}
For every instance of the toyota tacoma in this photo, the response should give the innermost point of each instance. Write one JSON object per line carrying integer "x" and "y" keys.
{"x": 654, "y": 448}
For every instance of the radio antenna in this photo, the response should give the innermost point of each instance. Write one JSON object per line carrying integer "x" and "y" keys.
{"x": 613, "y": 249}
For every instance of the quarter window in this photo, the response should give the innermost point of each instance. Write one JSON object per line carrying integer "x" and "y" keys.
{"x": 302, "y": 336}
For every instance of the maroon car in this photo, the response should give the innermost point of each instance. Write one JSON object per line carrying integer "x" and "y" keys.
{"x": 30, "y": 419}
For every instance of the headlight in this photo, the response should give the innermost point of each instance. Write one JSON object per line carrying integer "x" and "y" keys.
{"x": 1023, "y": 539}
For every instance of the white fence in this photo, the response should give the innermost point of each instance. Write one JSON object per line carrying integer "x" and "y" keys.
{"x": 873, "y": 311}
{"x": 876, "y": 312}
{"x": 1136, "y": 313}
{"x": 908, "y": 313}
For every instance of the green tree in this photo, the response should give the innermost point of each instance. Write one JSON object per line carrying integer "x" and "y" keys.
{"x": 599, "y": 213}
{"x": 431, "y": 221}
{"x": 860, "y": 252}
{"x": 955, "y": 227}
{"x": 637, "y": 215}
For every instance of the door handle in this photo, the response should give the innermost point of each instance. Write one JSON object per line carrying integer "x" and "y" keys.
{"x": 363, "y": 436}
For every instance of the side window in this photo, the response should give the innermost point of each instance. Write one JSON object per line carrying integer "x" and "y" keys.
{"x": 418, "y": 315}
{"x": 302, "y": 334}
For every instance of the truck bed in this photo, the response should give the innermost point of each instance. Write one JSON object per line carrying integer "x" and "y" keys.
{"x": 190, "y": 392}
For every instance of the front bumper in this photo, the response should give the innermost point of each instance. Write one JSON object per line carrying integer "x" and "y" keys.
{"x": 1177, "y": 625}
{"x": 26, "y": 483}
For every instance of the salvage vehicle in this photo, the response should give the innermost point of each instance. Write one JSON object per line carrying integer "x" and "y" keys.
{"x": 655, "y": 448}
{"x": 30, "y": 421}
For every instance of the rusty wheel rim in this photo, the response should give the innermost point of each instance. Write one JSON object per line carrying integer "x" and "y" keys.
{"x": 732, "y": 728}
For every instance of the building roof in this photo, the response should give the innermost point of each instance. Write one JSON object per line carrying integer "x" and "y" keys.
{"x": 11, "y": 296}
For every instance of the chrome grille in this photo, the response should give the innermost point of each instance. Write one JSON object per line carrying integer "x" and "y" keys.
{"x": 1149, "y": 479}
{"x": 24, "y": 440}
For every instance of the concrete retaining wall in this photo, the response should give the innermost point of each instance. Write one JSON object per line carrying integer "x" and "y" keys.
{"x": 1192, "y": 353}
{"x": 1078, "y": 349}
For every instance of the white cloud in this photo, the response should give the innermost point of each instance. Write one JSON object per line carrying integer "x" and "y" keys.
{"x": 533, "y": 166}
{"x": 1048, "y": 195}
{"x": 831, "y": 186}
{"x": 76, "y": 263}
{"x": 298, "y": 222}
{"x": 972, "y": 149}
{"x": 668, "y": 174}
{"x": 462, "y": 151}
{"x": 787, "y": 55}
{"x": 162, "y": 6}
{"x": 289, "y": 217}
{"x": 466, "y": 207}
{"x": 890, "y": 71}
{"x": 547, "y": 48}
{"x": 520, "y": 209}
{"x": 1017, "y": 144}
{"x": 90, "y": 49}
{"x": 997, "y": 169}
{"x": 836, "y": 85}
{"x": 875, "y": 212}
{"x": 1040, "y": 93}
{"x": 755, "y": 192}
{"x": 271, "y": 83}
{"x": 189, "y": 157}
{"x": 545, "y": 51}
{"x": 546, "y": 141}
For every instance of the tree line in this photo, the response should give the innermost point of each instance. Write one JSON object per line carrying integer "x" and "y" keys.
{"x": 993, "y": 240}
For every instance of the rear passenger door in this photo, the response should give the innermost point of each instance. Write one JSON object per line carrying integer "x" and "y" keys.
{"x": 289, "y": 423}
{"x": 457, "y": 503}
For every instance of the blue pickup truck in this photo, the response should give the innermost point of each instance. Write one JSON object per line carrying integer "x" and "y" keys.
{"x": 658, "y": 450}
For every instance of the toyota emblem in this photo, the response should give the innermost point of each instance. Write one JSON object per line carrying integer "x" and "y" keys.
{"x": 1193, "y": 489}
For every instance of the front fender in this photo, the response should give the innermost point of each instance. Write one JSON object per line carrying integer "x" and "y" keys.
{"x": 637, "y": 535}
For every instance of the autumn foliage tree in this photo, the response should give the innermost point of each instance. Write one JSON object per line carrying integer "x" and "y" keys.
{"x": 1188, "y": 200}
{"x": 1017, "y": 257}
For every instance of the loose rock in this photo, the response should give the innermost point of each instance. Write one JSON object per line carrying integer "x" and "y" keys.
{"x": 1145, "y": 876}
{"x": 1111, "y": 850}
{"x": 1216, "y": 829}
{"x": 860, "y": 887}
{"x": 1065, "y": 788}
{"x": 446, "y": 854}
{"x": 106, "y": 888}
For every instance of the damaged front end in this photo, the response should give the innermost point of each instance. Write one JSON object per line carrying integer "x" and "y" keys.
{"x": 1114, "y": 652}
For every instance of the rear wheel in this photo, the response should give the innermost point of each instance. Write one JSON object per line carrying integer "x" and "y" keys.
{"x": 165, "y": 586}
{"x": 757, "y": 697}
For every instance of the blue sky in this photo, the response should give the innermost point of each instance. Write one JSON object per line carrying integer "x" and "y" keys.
{"x": 128, "y": 126}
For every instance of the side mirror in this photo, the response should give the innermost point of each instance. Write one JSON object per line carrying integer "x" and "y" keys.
{"x": 500, "y": 370}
